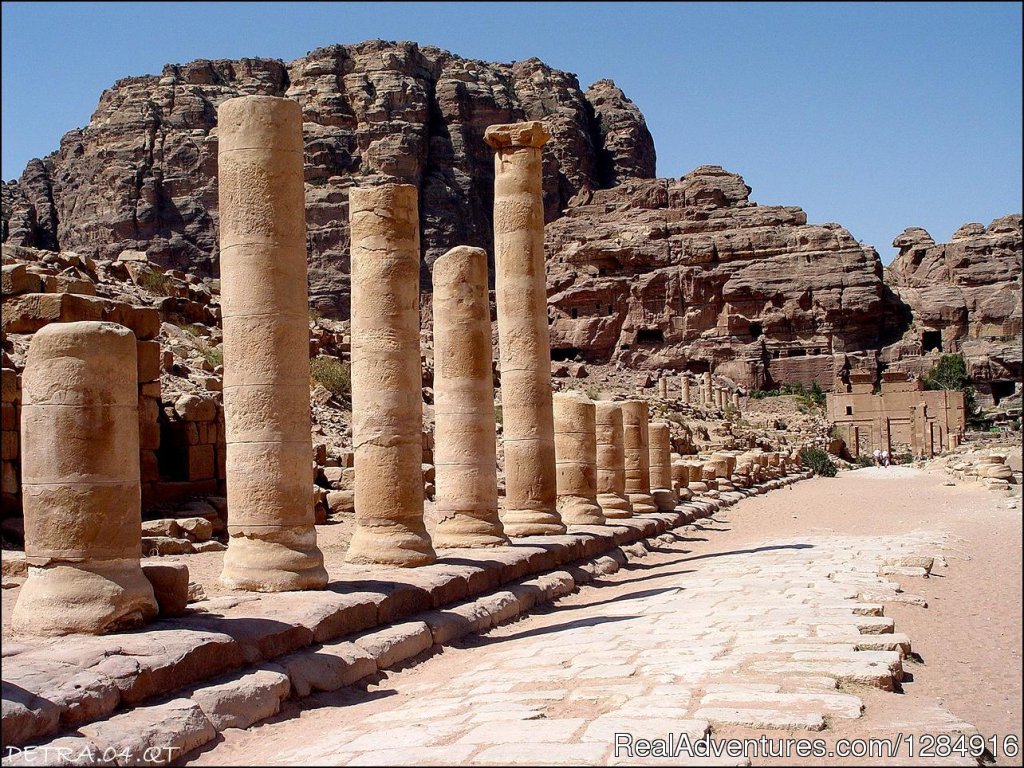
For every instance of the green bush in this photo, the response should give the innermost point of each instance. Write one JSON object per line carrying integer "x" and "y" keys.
{"x": 819, "y": 461}
{"x": 864, "y": 461}
{"x": 155, "y": 282}
{"x": 815, "y": 396}
{"x": 332, "y": 374}
{"x": 213, "y": 355}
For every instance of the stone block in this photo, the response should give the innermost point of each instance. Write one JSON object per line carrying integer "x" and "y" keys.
{"x": 31, "y": 311}
{"x": 17, "y": 280}
{"x": 9, "y": 389}
{"x": 170, "y": 585}
{"x": 195, "y": 408}
{"x": 148, "y": 360}
{"x": 327, "y": 667}
{"x": 399, "y": 642}
{"x": 169, "y": 730}
{"x": 243, "y": 698}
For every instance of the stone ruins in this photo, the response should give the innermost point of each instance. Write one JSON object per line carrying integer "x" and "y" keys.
{"x": 377, "y": 385}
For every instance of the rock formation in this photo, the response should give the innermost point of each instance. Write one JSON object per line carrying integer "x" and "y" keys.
{"x": 80, "y": 438}
{"x": 965, "y": 296}
{"x": 266, "y": 348}
{"x": 141, "y": 175}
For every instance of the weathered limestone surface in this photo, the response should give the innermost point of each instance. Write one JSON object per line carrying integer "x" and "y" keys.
{"x": 611, "y": 469}
{"x": 637, "y": 456}
{"x": 266, "y": 348}
{"x": 464, "y": 424}
{"x": 83, "y": 529}
{"x": 576, "y": 459}
{"x": 387, "y": 401}
{"x": 523, "y": 343}
{"x": 660, "y": 451}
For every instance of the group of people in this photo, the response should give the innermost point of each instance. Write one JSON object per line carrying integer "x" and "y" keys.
{"x": 881, "y": 458}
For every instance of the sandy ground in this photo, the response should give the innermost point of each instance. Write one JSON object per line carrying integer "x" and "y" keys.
{"x": 968, "y": 639}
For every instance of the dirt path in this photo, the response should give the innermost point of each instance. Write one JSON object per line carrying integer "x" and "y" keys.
{"x": 746, "y": 623}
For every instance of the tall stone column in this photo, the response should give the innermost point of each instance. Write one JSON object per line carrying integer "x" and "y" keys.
{"x": 660, "y": 451}
{"x": 736, "y": 401}
{"x": 524, "y": 346}
{"x": 611, "y": 470}
{"x": 464, "y": 439}
{"x": 576, "y": 459}
{"x": 709, "y": 395}
{"x": 685, "y": 384}
{"x": 663, "y": 388}
{"x": 80, "y": 483}
{"x": 387, "y": 395}
{"x": 266, "y": 348}
{"x": 637, "y": 456}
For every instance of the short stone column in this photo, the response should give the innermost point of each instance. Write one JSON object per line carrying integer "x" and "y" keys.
{"x": 707, "y": 385}
{"x": 685, "y": 384}
{"x": 681, "y": 479}
{"x": 663, "y": 388}
{"x": 80, "y": 483}
{"x": 265, "y": 314}
{"x": 524, "y": 346}
{"x": 736, "y": 401}
{"x": 611, "y": 470}
{"x": 466, "y": 474}
{"x": 637, "y": 456}
{"x": 660, "y": 451}
{"x": 576, "y": 459}
{"x": 387, "y": 395}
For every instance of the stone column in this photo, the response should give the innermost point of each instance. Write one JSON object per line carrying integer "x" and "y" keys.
{"x": 709, "y": 395}
{"x": 685, "y": 384}
{"x": 80, "y": 483}
{"x": 524, "y": 346}
{"x": 663, "y": 388}
{"x": 266, "y": 348}
{"x": 637, "y": 456}
{"x": 576, "y": 459}
{"x": 611, "y": 471}
{"x": 387, "y": 395}
{"x": 660, "y": 451}
{"x": 464, "y": 438}
{"x": 736, "y": 401}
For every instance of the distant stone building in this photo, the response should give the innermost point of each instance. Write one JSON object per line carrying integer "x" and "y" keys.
{"x": 902, "y": 418}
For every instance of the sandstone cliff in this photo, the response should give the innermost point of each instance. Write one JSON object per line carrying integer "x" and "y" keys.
{"x": 691, "y": 274}
{"x": 142, "y": 174}
{"x": 965, "y": 296}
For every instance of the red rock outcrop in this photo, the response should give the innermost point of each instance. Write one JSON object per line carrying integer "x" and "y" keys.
{"x": 691, "y": 274}
{"x": 965, "y": 296}
{"x": 142, "y": 174}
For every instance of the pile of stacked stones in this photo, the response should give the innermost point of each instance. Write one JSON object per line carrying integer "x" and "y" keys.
{"x": 989, "y": 467}
{"x": 569, "y": 461}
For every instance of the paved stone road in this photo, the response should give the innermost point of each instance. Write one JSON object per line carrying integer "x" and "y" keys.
{"x": 785, "y": 637}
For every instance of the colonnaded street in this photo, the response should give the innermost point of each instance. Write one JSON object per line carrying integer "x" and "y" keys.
{"x": 878, "y": 610}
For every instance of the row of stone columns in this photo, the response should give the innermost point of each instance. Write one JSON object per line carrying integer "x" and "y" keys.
{"x": 568, "y": 460}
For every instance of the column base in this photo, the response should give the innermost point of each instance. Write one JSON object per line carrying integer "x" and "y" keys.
{"x": 390, "y": 543}
{"x": 664, "y": 499}
{"x": 468, "y": 530}
{"x": 579, "y": 510}
{"x": 642, "y": 503}
{"x": 273, "y": 560}
{"x": 531, "y": 522}
{"x": 92, "y": 598}
{"x": 614, "y": 506}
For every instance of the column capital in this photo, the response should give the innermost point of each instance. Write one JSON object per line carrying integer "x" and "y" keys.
{"x": 517, "y": 135}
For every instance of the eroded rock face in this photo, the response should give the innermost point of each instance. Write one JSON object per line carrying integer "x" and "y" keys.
{"x": 142, "y": 174}
{"x": 966, "y": 297}
{"x": 691, "y": 274}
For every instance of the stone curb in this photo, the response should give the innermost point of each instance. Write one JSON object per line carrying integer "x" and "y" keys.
{"x": 240, "y": 678}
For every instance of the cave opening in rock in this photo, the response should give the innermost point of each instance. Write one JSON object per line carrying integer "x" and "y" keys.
{"x": 756, "y": 330}
{"x": 650, "y": 336}
{"x": 1001, "y": 389}
{"x": 574, "y": 313}
{"x": 931, "y": 341}
{"x": 797, "y": 353}
{"x": 563, "y": 354}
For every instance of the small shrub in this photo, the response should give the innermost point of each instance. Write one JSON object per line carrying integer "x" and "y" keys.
{"x": 155, "y": 282}
{"x": 498, "y": 415}
{"x": 213, "y": 355}
{"x": 905, "y": 458}
{"x": 332, "y": 374}
{"x": 819, "y": 461}
{"x": 864, "y": 461}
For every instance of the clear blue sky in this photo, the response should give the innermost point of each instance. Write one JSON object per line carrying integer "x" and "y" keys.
{"x": 877, "y": 116}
